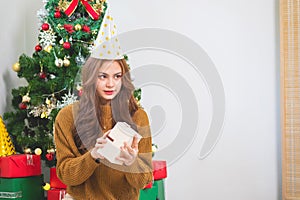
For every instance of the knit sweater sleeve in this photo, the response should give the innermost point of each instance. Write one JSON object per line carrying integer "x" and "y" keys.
{"x": 72, "y": 167}
{"x": 140, "y": 172}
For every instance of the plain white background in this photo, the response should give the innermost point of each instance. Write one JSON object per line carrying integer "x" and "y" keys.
{"x": 242, "y": 39}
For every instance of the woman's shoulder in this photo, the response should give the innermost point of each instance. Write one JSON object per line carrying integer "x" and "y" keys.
{"x": 66, "y": 113}
{"x": 140, "y": 117}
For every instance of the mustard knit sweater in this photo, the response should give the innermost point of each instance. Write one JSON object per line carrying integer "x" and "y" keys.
{"x": 89, "y": 180}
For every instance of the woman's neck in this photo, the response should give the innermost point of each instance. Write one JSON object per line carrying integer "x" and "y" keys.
{"x": 104, "y": 102}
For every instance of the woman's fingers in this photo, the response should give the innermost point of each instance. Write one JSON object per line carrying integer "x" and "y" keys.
{"x": 135, "y": 142}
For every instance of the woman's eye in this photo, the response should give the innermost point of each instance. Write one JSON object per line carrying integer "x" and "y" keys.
{"x": 118, "y": 76}
{"x": 101, "y": 76}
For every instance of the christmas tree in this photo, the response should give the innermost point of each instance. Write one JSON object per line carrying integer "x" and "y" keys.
{"x": 6, "y": 145}
{"x": 67, "y": 31}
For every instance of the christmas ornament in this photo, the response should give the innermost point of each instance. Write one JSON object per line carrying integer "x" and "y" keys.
{"x": 66, "y": 62}
{"x": 49, "y": 156}
{"x": 38, "y": 151}
{"x": 58, "y": 62}
{"x": 86, "y": 29}
{"x": 67, "y": 100}
{"x": 69, "y": 28}
{"x": 42, "y": 14}
{"x": 78, "y": 27}
{"x": 47, "y": 38}
{"x": 67, "y": 45}
{"x": 26, "y": 98}
{"x": 6, "y": 145}
{"x": 61, "y": 41}
{"x": 57, "y": 14}
{"x": 79, "y": 89}
{"x": 16, "y": 67}
{"x": 22, "y": 106}
{"x": 38, "y": 48}
{"x": 51, "y": 151}
{"x": 45, "y": 27}
{"x": 154, "y": 149}
{"x": 27, "y": 151}
{"x": 80, "y": 92}
{"x": 46, "y": 186}
{"x": 42, "y": 75}
{"x": 80, "y": 60}
{"x": 48, "y": 48}
{"x": 52, "y": 76}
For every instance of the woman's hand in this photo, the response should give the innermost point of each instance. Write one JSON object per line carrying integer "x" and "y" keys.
{"x": 100, "y": 142}
{"x": 129, "y": 152}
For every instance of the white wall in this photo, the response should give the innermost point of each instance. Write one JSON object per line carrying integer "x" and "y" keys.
{"x": 242, "y": 39}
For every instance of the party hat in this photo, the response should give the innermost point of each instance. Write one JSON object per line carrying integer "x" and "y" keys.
{"x": 107, "y": 45}
{"x": 6, "y": 146}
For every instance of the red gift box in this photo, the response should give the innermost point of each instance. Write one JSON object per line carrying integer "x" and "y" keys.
{"x": 20, "y": 165}
{"x": 159, "y": 169}
{"x": 56, "y": 194}
{"x": 149, "y": 185}
{"x": 55, "y": 182}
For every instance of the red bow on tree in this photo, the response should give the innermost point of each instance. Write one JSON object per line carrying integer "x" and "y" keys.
{"x": 90, "y": 10}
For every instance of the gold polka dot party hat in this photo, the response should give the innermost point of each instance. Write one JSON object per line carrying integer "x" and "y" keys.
{"x": 107, "y": 45}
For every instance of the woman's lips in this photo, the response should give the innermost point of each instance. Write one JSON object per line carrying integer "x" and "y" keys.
{"x": 108, "y": 92}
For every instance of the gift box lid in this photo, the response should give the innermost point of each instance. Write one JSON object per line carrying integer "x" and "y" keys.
{"x": 20, "y": 165}
{"x": 159, "y": 169}
{"x": 55, "y": 182}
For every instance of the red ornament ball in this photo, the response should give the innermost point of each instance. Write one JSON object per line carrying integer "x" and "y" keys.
{"x": 86, "y": 29}
{"x": 67, "y": 45}
{"x": 38, "y": 48}
{"x": 49, "y": 156}
{"x": 42, "y": 75}
{"x": 22, "y": 106}
{"x": 80, "y": 92}
{"x": 57, "y": 14}
{"x": 45, "y": 26}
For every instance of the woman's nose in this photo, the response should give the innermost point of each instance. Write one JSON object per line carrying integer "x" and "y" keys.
{"x": 110, "y": 82}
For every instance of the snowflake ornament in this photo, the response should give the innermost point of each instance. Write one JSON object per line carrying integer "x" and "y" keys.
{"x": 47, "y": 38}
{"x": 42, "y": 14}
{"x": 67, "y": 100}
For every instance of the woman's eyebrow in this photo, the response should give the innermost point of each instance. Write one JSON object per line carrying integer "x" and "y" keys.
{"x": 107, "y": 74}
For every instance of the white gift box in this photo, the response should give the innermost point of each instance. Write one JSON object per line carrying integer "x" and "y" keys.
{"x": 121, "y": 132}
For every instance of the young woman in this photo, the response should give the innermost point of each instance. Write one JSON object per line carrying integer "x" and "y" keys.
{"x": 81, "y": 129}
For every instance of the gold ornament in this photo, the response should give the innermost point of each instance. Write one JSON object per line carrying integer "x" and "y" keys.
{"x": 26, "y": 98}
{"x": 27, "y": 151}
{"x": 48, "y": 48}
{"x": 16, "y": 67}
{"x": 66, "y": 62}
{"x": 46, "y": 186}
{"x": 59, "y": 62}
{"x": 51, "y": 150}
{"x": 78, "y": 27}
{"x": 38, "y": 151}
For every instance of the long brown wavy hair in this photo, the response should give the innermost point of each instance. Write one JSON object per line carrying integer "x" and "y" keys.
{"x": 87, "y": 115}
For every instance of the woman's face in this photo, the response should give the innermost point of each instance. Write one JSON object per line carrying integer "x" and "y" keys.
{"x": 109, "y": 80}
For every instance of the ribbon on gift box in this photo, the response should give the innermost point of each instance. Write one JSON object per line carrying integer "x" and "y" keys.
{"x": 62, "y": 194}
{"x": 11, "y": 195}
{"x": 29, "y": 159}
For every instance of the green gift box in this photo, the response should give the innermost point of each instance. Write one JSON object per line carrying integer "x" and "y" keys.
{"x": 26, "y": 188}
{"x": 159, "y": 184}
{"x": 148, "y": 194}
